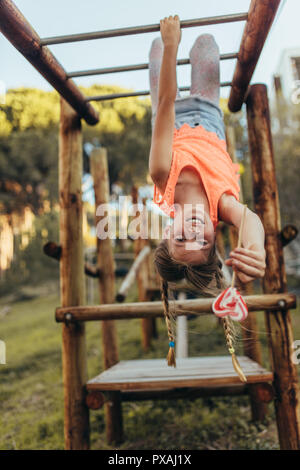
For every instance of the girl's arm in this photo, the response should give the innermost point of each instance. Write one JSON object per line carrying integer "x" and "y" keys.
{"x": 160, "y": 157}
{"x": 248, "y": 261}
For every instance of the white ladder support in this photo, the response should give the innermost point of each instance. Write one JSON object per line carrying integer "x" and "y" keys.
{"x": 181, "y": 333}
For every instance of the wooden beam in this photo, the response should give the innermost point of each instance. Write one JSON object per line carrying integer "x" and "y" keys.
{"x": 53, "y": 250}
{"x": 105, "y": 261}
{"x": 198, "y": 307}
{"x": 288, "y": 234}
{"x": 24, "y": 38}
{"x": 260, "y": 18}
{"x": 278, "y": 324}
{"x": 72, "y": 278}
{"x": 265, "y": 394}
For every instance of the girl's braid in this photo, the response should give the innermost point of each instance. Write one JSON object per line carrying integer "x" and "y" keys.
{"x": 165, "y": 299}
{"x": 229, "y": 335}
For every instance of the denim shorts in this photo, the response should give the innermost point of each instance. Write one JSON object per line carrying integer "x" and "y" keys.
{"x": 195, "y": 111}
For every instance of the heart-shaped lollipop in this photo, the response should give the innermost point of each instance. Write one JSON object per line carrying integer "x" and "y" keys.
{"x": 230, "y": 303}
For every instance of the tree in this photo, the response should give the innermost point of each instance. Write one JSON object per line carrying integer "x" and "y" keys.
{"x": 29, "y": 143}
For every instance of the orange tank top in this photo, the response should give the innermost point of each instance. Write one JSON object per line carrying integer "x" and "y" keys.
{"x": 206, "y": 153}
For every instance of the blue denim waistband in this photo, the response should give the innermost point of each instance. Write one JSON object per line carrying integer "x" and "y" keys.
{"x": 195, "y": 111}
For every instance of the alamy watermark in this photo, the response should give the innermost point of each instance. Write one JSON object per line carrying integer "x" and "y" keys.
{"x": 296, "y": 353}
{"x": 295, "y": 95}
{"x": 135, "y": 221}
{"x": 2, "y": 352}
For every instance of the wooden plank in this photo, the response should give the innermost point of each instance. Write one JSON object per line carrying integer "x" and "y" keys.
{"x": 187, "y": 364}
{"x": 155, "y": 309}
{"x": 264, "y": 393}
{"x": 190, "y": 372}
{"x": 184, "y": 392}
{"x": 174, "y": 382}
{"x": 154, "y": 374}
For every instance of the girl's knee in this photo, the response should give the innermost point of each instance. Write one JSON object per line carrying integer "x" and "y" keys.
{"x": 205, "y": 41}
{"x": 206, "y": 38}
{"x": 157, "y": 43}
{"x": 156, "y": 49}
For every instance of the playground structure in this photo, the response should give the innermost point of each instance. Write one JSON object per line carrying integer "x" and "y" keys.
{"x": 151, "y": 379}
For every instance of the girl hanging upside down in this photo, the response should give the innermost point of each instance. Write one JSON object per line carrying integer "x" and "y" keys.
{"x": 191, "y": 168}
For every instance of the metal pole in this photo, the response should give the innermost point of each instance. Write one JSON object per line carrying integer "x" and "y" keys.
{"x": 260, "y": 18}
{"x": 136, "y": 93}
{"x": 111, "y": 33}
{"x": 19, "y": 32}
{"x": 130, "y": 68}
{"x": 182, "y": 332}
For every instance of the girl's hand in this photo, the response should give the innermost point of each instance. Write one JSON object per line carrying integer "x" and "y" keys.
{"x": 170, "y": 31}
{"x": 248, "y": 264}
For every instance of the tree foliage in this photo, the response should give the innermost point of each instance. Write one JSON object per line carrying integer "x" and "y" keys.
{"x": 287, "y": 159}
{"x": 29, "y": 143}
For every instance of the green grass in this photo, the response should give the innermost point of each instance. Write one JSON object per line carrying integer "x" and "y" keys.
{"x": 31, "y": 392}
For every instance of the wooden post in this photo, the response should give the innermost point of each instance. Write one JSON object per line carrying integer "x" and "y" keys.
{"x": 278, "y": 323}
{"x": 251, "y": 343}
{"x": 280, "y": 102}
{"x": 76, "y": 424}
{"x": 105, "y": 259}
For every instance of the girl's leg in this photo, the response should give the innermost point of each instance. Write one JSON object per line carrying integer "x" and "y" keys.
{"x": 205, "y": 61}
{"x": 155, "y": 59}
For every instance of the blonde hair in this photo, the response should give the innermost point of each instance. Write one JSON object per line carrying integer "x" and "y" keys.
{"x": 207, "y": 278}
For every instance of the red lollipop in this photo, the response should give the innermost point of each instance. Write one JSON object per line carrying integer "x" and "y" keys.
{"x": 230, "y": 303}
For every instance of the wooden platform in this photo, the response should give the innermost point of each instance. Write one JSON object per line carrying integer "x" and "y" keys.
{"x": 154, "y": 374}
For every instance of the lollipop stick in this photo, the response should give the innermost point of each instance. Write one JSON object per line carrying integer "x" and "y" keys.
{"x": 239, "y": 240}
{"x": 226, "y": 321}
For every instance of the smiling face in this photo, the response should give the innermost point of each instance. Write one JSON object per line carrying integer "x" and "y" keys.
{"x": 191, "y": 238}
